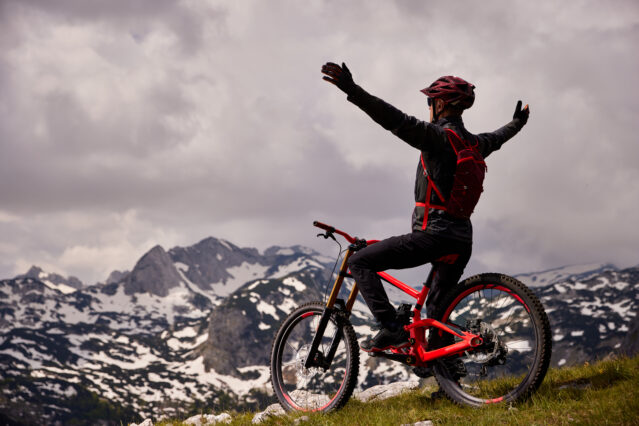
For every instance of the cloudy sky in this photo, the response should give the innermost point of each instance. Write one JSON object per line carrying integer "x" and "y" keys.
{"x": 125, "y": 124}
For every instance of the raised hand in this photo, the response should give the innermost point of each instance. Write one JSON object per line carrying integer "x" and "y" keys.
{"x": 522, "y": 114}
{"x": 339, "y": 76}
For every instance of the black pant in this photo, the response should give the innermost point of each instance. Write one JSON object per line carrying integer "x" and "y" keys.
{"x": 449, "y": 257}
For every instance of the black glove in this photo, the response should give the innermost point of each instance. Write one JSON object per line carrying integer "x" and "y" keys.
{"x": 522, "y": 114}
{"x": 339, "y": 76}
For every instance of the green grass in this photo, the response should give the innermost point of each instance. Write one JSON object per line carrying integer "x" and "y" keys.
{"x": 604, "y": 393}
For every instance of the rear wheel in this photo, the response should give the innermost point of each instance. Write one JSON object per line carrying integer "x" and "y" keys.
{"x": 515, "y": 354}
{"x": 315, "y": 388}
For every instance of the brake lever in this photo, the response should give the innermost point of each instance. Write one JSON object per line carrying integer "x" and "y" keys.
{"x": 327, "y": 235}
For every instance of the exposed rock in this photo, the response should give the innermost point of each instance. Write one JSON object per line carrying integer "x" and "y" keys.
{"x": 116, "y": 277}
{"x": 380, "y": 392}
{"x": 271, "y": 410}
{"x": 154, "y": 273}
{"x": 208, "y": 419}
{"x": 630, "y": 345}
{"x": 147, "y": 422}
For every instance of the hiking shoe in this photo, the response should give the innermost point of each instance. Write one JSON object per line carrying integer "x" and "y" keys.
{"x": 386, "y": 339}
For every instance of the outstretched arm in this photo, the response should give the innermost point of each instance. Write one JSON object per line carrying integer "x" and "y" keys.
{"x": 417, "y": 133}
{"x": 492, "y": 141}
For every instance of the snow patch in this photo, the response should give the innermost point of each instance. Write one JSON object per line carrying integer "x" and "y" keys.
{"x": 267, "y": 309}
{"x": 285, "y": 252}
{"x": 295, "y": 283}
{"x": 240, "y": 275}
{"x": 186, "y": 332}
{"x": 288, "y": 305}
{"x": 621, "y": 308}
{"x": 296, "y": 266}
{"x": 226, "y": 244}
{"x": 62, "y": 288}
{"x": 240, "y": 387}
{"x": 181, "y": 266}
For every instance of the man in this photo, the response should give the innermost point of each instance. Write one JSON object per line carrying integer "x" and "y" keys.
{"x": 437, "y": 237}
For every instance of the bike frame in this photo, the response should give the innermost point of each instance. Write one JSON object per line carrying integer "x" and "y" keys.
{"x": 417, "y": 354}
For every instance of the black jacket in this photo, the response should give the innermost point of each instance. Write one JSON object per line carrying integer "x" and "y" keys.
{"x": 438, "y": 154}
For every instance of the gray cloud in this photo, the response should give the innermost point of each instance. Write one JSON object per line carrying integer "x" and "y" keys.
{"x": 126, "y": 124}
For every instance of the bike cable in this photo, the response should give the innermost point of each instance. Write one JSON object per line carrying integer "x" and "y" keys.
{"x": 330, "y": 278}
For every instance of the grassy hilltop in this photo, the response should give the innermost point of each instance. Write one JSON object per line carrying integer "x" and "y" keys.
{"x": 604, "y": 393}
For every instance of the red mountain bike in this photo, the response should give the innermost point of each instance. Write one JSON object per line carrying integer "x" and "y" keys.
{"x": 489, "y": 342}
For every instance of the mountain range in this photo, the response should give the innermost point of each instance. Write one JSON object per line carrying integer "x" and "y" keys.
{"x": 190, "y": 329}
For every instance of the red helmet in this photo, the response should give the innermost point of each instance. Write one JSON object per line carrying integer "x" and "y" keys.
{"x": 452, "y": 90}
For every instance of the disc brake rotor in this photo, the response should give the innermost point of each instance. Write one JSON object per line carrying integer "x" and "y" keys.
{"x": 304, "y": 375}
{"x": 488, "y": 349}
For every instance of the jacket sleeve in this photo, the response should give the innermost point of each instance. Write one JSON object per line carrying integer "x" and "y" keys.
{"x": 417, "y": 133}
{"x": 490, "y": 142}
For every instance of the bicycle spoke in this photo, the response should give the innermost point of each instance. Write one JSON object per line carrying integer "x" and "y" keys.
{"x": 291, "y": 346}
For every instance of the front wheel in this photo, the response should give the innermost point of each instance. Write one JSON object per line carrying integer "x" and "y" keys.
{"x": 513, "y": 359}
{"x": 315, "y": 388}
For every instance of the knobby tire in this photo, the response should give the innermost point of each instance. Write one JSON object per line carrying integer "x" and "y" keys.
{"x": 301, "y": 389}
{"x": 517, "y": 313}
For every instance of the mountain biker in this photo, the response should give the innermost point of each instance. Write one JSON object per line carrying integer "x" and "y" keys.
{"x": 437, "y": 237}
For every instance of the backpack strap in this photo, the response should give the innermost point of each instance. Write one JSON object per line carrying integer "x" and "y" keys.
{"x": 456, "y": 142}
{"x": 430, "y": 181}
{"x": 430, "y": 187}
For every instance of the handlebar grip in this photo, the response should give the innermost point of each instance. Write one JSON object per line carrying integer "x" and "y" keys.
{"x": 324, "y": 226}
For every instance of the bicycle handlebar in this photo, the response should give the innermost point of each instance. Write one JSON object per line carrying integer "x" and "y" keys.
{"x": 324, "y": 226}
{"x": 332, "y": 230}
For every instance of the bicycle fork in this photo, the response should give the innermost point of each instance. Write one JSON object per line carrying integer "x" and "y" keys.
{"x": 334, "y": 307}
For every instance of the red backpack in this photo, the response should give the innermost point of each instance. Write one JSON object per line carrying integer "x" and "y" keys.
{"x": 467, "y": 180}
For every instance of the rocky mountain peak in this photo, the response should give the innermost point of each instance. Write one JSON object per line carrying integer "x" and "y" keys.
{"x": 209, "y": 261}
{"x": 154, "y": 273}
{"x": 55, "y": 281}
{"x": 116, "y": 277}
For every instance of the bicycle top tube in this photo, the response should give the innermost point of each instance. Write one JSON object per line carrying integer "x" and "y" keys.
{"x": 400, "y": 285}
